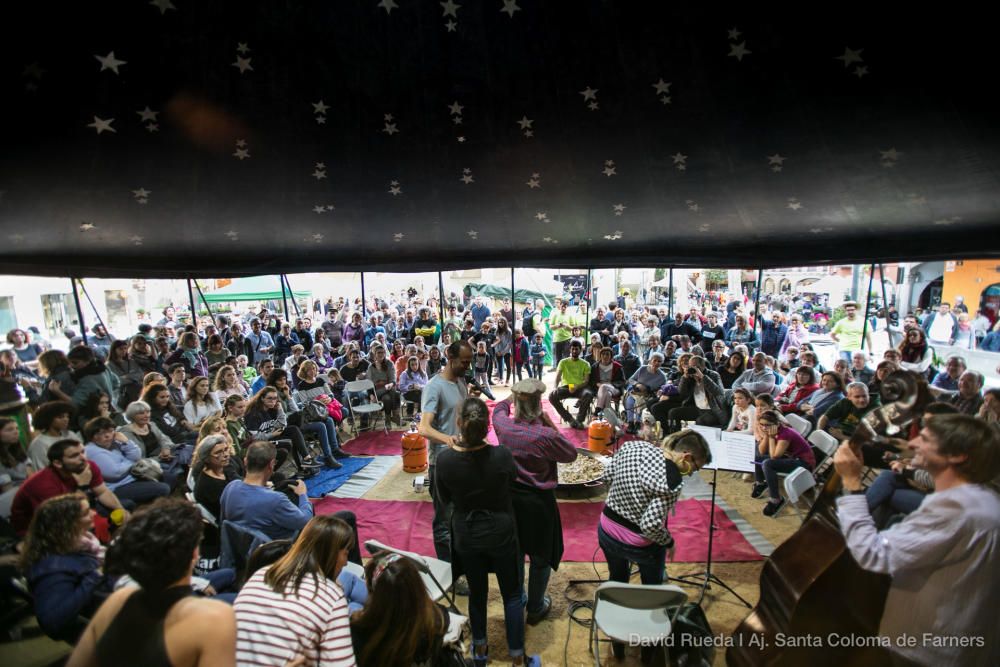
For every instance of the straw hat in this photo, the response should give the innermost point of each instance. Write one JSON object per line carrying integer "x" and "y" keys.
{"x": 528, "y": 387}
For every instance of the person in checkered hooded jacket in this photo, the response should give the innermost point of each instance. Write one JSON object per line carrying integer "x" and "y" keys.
{"x": 645, "y": 482}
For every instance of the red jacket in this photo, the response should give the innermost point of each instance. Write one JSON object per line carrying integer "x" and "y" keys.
{"x": 791, "y": 398}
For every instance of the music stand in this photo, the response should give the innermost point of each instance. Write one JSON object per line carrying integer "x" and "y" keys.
{"x": 708, "y": 578}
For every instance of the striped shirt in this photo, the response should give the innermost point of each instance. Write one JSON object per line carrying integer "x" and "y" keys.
{"x": 272, "y": 629}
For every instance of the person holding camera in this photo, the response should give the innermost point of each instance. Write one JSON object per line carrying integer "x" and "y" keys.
{"x": 702, "y": 397}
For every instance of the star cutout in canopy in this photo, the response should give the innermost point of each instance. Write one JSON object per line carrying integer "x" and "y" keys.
{"x": 535, "y": 181}
{"x": 680, "y": 161}
{"x": 243, "y": 64}
{"x": 153, "y": 127}
{"x": 450, "y": 8}
{"x": 455, "y": 108}
{"x": 142, "y": 193}
{"x": 473, "y": 234}
{"x": 509, "y": 7}
{"x": 589, "y": 94}
{"x": 619, "y": 209}
{"x": 541, "y": 216}
{"x": 891, "y": 154}
{"x": 860, "y": 71}
{"x": 318, "y": 173}
{"x": 794, "y": 204}
{"x": 398, "y": 236}
{"x": 317, "y": 237}
{"x": 102, "y": 125}
{"x": 147, "y": 114}
{"x": 319, "y": 209}
{"x": 241, "y": 153}
{"x": 662, "y": 87}
{"x": 388, "y": 6}
{"x": 34, "y": 70}
{"x": 525, "y": 122}
{"x": 320, "y": 107}
{"x": 241, "y": 143}
{"x": 163, "y": 5}
{"x": 395, "y": 189}
{"x": 466, "y": 176}
{"x": 614, "y": 236}
{"x": 242, "y": 48}
{"x": 233, "y": 235}
{"x": 320, "y": 165}
{"x": 87, "y": 226}
{"x": 390, "y": 129}
{"x": 739, "y": 50}
{"x": 851, "y": 56}
{"x": 135, "y": 239}
{"x": 450, "y": 26}
{"x": 110, "y": 62}
{"x": 734, "y": 34}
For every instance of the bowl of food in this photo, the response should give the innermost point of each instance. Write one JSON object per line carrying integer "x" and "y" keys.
{"x": 586, "y": 470}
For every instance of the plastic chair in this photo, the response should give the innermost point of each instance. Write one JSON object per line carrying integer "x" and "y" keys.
{"x": 206, "y": 516}
{"x": 797, "y": 483}
{"x": 366, "y": 407}
{"x": 800, "y": 424}
{"x": 827, "y": 444}
{"x": 634, "y": 612}
{"x": 435, "y": 573}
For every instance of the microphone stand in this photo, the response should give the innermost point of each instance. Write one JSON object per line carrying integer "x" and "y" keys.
{"x": 707, "y": 577}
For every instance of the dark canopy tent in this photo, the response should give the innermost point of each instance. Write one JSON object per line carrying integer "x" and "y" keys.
{"x": 221, "y": 138}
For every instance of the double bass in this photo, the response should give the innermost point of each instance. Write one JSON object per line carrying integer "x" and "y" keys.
{"x": 817, "y": 606}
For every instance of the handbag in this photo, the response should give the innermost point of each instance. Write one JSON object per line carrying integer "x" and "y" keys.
{"x": 691, "y": 636}
{"x": 147, "y": 470}
{"x": 314, "y": 411}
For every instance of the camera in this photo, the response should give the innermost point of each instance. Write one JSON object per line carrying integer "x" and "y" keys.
{"x": 692, "y": 371}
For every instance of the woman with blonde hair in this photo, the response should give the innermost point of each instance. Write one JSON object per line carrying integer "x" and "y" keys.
{"x": 298, "y": 597}
{"x": 228, "y": 383}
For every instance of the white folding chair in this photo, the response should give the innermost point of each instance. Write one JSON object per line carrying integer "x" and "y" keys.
{"x": 827, "y": 444}
{"x": 634, "y": 612}
{"x": 797, "y": 483}
{"x": 800, "y": 424}
{"x": 355, "y": 569}
{"x": 436, "y": 574}
{"x": 206, "y": 516}
{"x": 367, "y": 406}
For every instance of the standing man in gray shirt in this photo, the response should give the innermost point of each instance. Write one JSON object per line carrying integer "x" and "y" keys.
{"x": 942, "y": 557}
{"x": 441, "y": 401}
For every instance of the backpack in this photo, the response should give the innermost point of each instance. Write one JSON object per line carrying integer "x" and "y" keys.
{"x": 527, "y": 323}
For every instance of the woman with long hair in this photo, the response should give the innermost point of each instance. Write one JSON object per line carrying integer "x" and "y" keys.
{"x": 398, "y": 350}
{"x": 412, "y": 383}
{"x": 14, "y": 464}
{"x": 502, "y": 348}
{"x": 475, "y": 477}
{"x": 58, "y": 385}
{"x": 399, "y": 624}
{"x": 201, "y": 402}
{"x": 212, "y": 469}
{"x": 384, "y": 375}
{"x": 159, "y": 622}
{"x": 435, "y": 362}
{"x": 62, "y": 561}
{"x": 792, "y": 397}
{"x": 266, "y": 420}
{"x": 26, "y": 351}
{"x": 735, "y": 366}
{"x": 188, "y": 354}
{"x": 294, "y": 608}
{"x": 129, "y": 373}
{"x": 99, "y": 404}
{"x": 171, "y": 421}
{"x": 228, "y": 383}
{"x": 914, "y": 351}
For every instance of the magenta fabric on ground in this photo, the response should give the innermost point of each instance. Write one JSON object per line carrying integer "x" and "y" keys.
{"x": 407, "y": 525}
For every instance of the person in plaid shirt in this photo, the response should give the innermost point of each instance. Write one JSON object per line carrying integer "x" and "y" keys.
{"x": 537, "y": 446}
{"x": 644, "y": 484}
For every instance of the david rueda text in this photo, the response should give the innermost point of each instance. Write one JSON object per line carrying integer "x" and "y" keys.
{"x": 832, "y": 640}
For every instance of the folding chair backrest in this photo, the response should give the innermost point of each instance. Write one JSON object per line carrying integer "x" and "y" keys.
{"x": 825, "y": 442}
{"x": 799, "y": 424}
{"x": 638, "y": 596}
{"x": 359, "y": 386}
{"x": 797, "y": 483}
{"x": 374, "y": 546}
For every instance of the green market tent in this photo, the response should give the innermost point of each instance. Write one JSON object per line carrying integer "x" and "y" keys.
{"x": 257, "y": 288}
{"x": 497, "y": 292}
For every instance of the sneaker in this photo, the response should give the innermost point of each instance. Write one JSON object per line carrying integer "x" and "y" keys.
{"x": 480, "y": 660}
{"x": 758, "y": 489}
{"x": 340, "y": 454}
{"x": 461, "y": 586}
{"x": 532, "y": 661}
{"x": 774, "y": 507}
{"x": 535, "y": 617}
{"x": 333, "y": 464}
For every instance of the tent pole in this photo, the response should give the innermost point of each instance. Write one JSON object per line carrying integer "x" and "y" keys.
{"x": 513, "y": 306}
{"x": 79, "y": 310}
{"x": 589, "y": 298}
{"x": 284, "y": 297}
{"x": 204, "y": 300}
{"x": 441, "y": 299}
{"x": 92, "y": 306}
{"x": 298, "y": 313}
{"x": 756, "y": 301}
{"x": 364, "y": 301}
{"x": 670, "y": 295}
{"x": 885, "y": 302}
{"x": 194, "y": 309}
{"x": 868, "y": 301}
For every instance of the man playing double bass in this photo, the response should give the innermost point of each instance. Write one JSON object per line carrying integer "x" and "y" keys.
{"x": 537, "y": 446}
{"x": 941, "y": 607}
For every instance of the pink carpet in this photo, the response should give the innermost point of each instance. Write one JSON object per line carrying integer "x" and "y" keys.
{"x": 407, "y": 524}
{"x": 377, "y": 443}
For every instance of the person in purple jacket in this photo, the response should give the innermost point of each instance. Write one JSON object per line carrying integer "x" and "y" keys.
{"x": 780, "y": 450}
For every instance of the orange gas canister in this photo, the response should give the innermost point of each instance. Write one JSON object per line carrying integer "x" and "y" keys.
{"x": 599, "y": 436}
{"x": 414, "y": 451}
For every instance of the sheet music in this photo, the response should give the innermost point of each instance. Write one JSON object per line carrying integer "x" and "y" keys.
{"x": 732, "y": 451}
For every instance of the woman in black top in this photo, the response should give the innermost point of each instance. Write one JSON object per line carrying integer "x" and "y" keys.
{"x": 475, "y": 477}
{"x": 734, "y": 367}
{"x": 160, "y": 623}
{"x": 167, "y": 417}
{"x": 355, "y": 367}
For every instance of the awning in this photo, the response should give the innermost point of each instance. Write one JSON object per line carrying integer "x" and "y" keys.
{"x": 257, "y": 288}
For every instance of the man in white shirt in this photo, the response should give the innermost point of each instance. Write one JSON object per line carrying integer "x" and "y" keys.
{"x": 941, "y": 326}
{"x": 942, "y": 558}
